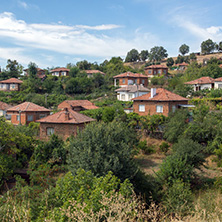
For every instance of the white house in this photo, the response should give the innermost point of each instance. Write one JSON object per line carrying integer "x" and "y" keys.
{"x": 205, "y": 82}
{"x": 218, "y": 83}
{"x": 131, "y": 91}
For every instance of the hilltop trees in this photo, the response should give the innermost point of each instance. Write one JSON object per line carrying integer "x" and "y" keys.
{"x": 208, "y": 46}
{"x": 157, "y": 53}
{"x": 144, "y": 55}
{"x": 184, "y": 49}
{"x": 132, "y": 56}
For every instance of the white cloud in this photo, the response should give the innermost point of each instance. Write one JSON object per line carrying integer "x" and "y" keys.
{"x": 70, "y": 40}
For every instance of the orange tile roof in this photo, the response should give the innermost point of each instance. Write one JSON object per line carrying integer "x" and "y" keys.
{"x": 218, "y": 79}
{"x": 84, "y": 103}
{"x": 94, "y": 71}
{"x": 12, "y": 80}
{"x": 66, "y": 116}
{"x": 220, "y": 65}
{"x": 161, "y": 95}
{"x": 28, "y": 107}
{"x": 62, "y": 69}
{"x": 182, "y": 64}
{"x": 4, "y": 106}
{"x": 130, "y": 74}
{"x": 156, "y": 67}
{"x": 202, "y": 80}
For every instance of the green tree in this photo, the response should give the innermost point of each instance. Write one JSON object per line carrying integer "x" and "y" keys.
{"x": 207, "y": 46}
{"x": 170, "y": 62}
{"x": 74, "y": 71}
{"x": 32, "y": 70}
{"x": 13, "y": 69}
{"x": 104, "y": 147}
{"x": 193, "y": 56}
{"x": 144, "y": 55}
{"x": 219, "y": 46}
{"x": 132, "y": 56}
{"x": 157, "y": 53}
{"x": 184, "y": 49}
{"x": 83, "y": 65}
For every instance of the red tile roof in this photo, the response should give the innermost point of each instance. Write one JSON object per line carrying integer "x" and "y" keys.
{"x": 220, "y": 65}
{"x": 62, "y": 69}
{"x": 12, "y": 80}
{"x": 93, "y": 72}
{"x": 133, "y": 88}
{"x": 66, "y": 116}
{"x": 4, "y": 106}
{"x": 182, "y": 64}
{"x": 161, "y": 95}
{"x": 29, "y": 107}
{"x": 130, "y": 74}
{"x": 86, "y": 104}
{"x": 218, "y": 79}
{"x": 156, "y": 67}
{"x": 202, "y": 80}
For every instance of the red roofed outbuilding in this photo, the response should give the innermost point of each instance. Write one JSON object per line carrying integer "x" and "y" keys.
{"x": 158, "y": 101}
{"x": 129, "y": 78}
{"x": 12, "y": 84}
{"x": 27, "y": 112}
{"x": 63, "y": 123}
{"x": 77, "y": 105}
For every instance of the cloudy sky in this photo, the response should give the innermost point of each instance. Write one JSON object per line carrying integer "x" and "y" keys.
{"x": 54, "y": 32}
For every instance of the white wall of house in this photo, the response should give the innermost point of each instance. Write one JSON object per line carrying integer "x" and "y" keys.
{"x": 202, "y": 86}
{"x": 217, "y": 85}
{"x": 126, "y": 96}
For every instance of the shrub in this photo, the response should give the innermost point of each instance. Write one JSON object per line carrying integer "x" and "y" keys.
{"x": 164, "y": 147}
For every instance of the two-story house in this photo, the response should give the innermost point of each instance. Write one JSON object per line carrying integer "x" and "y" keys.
{"x": 156, "y": 70}
{"x": 129, "y": 78}
{"x": 12, "y": 84}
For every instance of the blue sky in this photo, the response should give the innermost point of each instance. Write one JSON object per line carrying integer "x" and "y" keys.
{"x": 54, "y": 32}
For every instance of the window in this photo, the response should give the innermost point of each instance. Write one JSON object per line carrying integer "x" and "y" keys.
{"x": 17, "y": 118}
{"x": 164, "y": 71}
{"x": 143, "y": 81}
{"x": 2, "y": 86}
{"x": 159, "y": 71}
{"x": 173, "y": 109}
{"x": 135, "y": 81}
{"x": 123, "y": 81}
{"x": 123, "y": 97}
{"x": 159, "y": 109}
{"x": 130, "y": 96}
{"x": 149, "y": 71}
{"x": 13, "y": 86}
{"x": 63, "y": 73}
{"x": 219, "y": 86}
{"x": 141, "y": 108}
{"x": 42, "y": 116}
{"x": 30, "y": 118}
{"x": 50, "y": 131}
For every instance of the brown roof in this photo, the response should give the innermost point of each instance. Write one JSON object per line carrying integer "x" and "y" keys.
{"x": 86, "y": 104}
{"x": 93, "y": 72}
{"x": 218, "y": 79}
{"x": 62, "y": 69}
{"x": 182, "y": 64}
{"x": 66, "y": 116}
{"x": 28, "y": 106}
{"x": 202, "y": 80}
{"x": 4, "y": 106}
{"x": 161, "y": 95}
{"x": 12, "y": 80}
{"x": 133, "y": 88}
{"x": 156, "y": 67}
{"x": 130, "y": 74}
{"x": 220, "y": 65}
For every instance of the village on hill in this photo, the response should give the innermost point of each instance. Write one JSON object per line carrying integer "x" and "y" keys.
{"x": 143, "y": 134}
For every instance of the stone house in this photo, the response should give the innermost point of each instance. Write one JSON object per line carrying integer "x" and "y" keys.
{"x": 205, "y": 82}
{"x": 63, "y": 123}
{"x": 60, "y": 72}
{"x": 12, "y": 84}
{"x": 27, "y": 112}
{"x": 129, "y": 78}
{"x": 131, "y": 91}
{"x": 77, "y": 105}
{"x": 156, "y": 70}
{"x": 158, "y": 101}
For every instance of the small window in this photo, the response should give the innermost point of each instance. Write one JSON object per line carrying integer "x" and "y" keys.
{"x": 17, "y": 118}
{"x": 124, "y": 81}
{"x": 141, "y": 108}
{"x": 150, "y": 71}
{"x": 2, "y": 86}
{"x": 159, "y": 71}
{"x": 159, "y": 109}
{"x": 13, "y": 86}
{"x": 135, "y": 81}
{"x": 123, "y": 97}
{"x": 50, "y": 131}
{"x": 42, "y": 116}
{"x": 130, "y": 96}
{"x": 164, "y": 71}
{"x": 143, "y": 81}
{"x": 173, "y": 109}
{"x": 30, "y": 118}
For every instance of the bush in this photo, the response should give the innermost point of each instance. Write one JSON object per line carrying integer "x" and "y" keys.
{"x": 145, "y": 148}
{"x": 164, "y": 147}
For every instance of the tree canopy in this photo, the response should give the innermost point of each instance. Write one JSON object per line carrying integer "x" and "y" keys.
{"x": 157, "y": 53}
{"x": 208, "y": 46}
{"x": 132, "y": 56}
{"x": 184, "y": 49}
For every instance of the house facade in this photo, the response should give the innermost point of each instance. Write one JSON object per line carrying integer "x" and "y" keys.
{"x": 158, "y": 101}
{"x": 60, "y": 72}
{"x": 218, "y": 83}
{"x": 3, "y": 108}
{"x": 156, "y": 70}
{"x": 64, "y": 123}
{"x": 131, "y": 91}
{"x": 12, "y": 84}
{"x": 205, "y": 82}
{"x": 27, "y": 112}
{"x": 129, "y": 78}
{"x": 77, "y": 105}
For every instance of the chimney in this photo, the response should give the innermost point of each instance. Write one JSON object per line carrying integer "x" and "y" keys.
{"x": 153, "y": 92}
{"x": 66, "y": 114}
